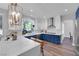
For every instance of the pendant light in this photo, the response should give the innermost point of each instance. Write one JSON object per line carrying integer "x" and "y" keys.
{"x": 14, "y": 15}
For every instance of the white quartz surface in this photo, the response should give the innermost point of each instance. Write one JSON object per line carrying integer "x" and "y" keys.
{"x": 37, "y": 33}
{"x": 31, "y": 34}
{"x": 14, "y": 48}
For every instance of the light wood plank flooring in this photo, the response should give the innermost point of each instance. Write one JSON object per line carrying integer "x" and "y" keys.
{"x": 65, "y": 49}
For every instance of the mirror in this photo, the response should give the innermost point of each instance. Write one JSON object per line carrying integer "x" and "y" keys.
{"x": 1, "y": 30}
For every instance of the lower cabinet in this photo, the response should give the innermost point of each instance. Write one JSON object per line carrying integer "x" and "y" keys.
{"x": 51, "y": 38}
{"x": 48, "y": 37}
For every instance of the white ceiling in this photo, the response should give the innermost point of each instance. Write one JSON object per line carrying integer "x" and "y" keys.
{"x": 45, "y": 9}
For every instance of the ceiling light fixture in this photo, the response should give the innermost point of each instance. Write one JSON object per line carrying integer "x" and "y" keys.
{"x": 15, "y": 14}
{"x": 31, "y": 10}
{"x": 66, "y": 10}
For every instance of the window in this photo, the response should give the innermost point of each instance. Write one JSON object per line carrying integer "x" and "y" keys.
{"x": 28, "y": 26}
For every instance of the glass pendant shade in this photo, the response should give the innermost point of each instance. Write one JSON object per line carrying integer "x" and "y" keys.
{"x": 15, "y": 15}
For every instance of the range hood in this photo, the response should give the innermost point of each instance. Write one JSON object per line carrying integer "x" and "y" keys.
{"x": 52, "y": 23}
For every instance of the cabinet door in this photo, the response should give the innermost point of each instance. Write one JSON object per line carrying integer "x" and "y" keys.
{"x": 41, "y": 36}
{"x": 49, "y": 38}
{"x": 57, "y": 39}
{"x": 52, "y": 39}
{"x": 46, "y": 37}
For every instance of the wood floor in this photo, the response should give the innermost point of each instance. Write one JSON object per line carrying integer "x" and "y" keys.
{"x": 65, "y": 49}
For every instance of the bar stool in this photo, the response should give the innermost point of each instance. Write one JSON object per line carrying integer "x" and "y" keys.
{"x": 42, "y": 44}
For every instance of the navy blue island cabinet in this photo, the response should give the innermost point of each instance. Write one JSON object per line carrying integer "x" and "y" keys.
{"x": 56, "y": 39}
{"x": 51, "y": 38}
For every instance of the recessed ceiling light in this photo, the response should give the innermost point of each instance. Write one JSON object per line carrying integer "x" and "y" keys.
{"x": 66, "y": 10}
{"x": 31, "y": 10}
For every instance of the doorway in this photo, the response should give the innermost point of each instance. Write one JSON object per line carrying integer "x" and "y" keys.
{"x": 68, "y": 31}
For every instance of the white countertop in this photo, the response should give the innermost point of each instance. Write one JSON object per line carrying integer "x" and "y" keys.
{"x": 37, "y": 33}
{"x": 14, "y": 48}
{"x": 31, "y": 34}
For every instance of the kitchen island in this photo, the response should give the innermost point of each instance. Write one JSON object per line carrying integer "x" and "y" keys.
{"x": 53, "y": 38}
{"x": 20, "y": 47}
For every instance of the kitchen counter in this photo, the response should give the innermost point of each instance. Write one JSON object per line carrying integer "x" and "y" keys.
{"x": 50, "y": 37}
{"x": 38, "y": 33}
{"x": 21, "y": 46}
{"x": 32, "y": 34}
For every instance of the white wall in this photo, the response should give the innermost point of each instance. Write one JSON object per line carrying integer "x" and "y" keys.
{"x": 68, "y": 21}
{"x": 4, "y": 22}
{"x": 41, "y": 23}
{"x": 68, "y": 27}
